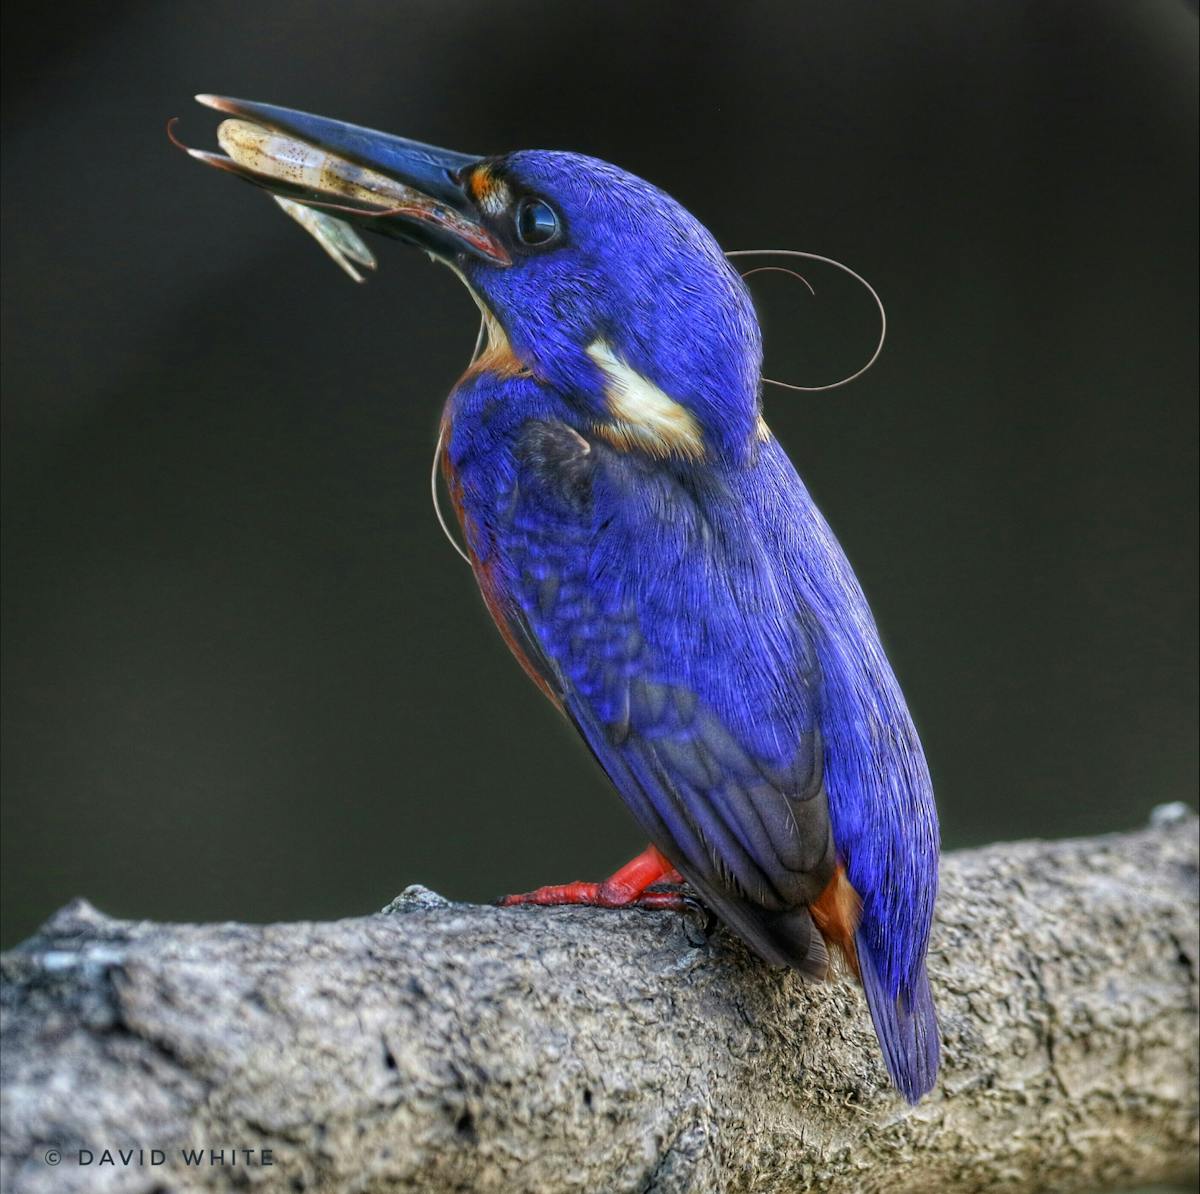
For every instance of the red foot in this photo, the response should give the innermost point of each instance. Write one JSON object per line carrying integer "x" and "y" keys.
{"x": 624, "y": 889}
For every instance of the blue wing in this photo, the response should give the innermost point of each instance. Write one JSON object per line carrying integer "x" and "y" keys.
{"x": 650, "y": 610}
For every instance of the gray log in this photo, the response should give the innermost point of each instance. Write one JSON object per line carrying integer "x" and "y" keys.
{"x": 440, "y": 1047}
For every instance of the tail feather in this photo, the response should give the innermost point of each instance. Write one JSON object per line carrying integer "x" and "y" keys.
{"x": 906, "y": 1025}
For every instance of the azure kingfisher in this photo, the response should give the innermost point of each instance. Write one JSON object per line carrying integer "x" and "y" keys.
{"x": 648, "y": 551}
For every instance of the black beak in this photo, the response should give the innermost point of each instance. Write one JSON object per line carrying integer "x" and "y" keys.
{"x": 385, "y": 184}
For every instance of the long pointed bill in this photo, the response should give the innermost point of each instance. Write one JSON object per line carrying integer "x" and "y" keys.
{"x": 385, "y": 184}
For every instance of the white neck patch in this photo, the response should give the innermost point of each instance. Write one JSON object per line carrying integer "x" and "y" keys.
{"x": 643, "y": 416}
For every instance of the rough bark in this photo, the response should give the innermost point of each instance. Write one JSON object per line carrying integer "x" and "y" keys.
{"x": 440, "y": 1047}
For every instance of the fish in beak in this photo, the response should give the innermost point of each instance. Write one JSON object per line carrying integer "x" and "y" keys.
{"x": 334, "y": 178}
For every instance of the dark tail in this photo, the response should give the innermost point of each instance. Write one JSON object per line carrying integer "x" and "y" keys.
{"x": 787, "y": 938}
{"x": 906, "y": 1025}
{"x": 794, "y": 936}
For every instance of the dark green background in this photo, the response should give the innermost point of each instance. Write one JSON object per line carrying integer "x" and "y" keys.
{"x": 245, "y": 676}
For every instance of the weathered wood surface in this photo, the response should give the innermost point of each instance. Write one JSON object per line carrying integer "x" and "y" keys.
{"x": 445, "y": 1047}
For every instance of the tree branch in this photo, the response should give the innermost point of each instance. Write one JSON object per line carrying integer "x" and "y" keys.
{"x": 440, "y": 1047}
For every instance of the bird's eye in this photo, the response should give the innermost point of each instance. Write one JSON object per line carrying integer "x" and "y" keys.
{"x": 537, "y": 222}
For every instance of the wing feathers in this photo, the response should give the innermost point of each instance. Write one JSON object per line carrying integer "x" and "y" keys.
{"x": 651, "y": 656}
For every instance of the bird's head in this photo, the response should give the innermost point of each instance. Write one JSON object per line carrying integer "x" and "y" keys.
{"x": 591, "y": 279}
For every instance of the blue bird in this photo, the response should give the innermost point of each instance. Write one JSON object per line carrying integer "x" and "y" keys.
{"x": 648, "y": 551}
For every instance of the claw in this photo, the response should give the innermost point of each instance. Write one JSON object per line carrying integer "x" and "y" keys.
{"x": 627, "y": 888}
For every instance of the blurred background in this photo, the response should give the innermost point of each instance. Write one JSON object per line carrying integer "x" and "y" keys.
{"x": 244, "y": 674}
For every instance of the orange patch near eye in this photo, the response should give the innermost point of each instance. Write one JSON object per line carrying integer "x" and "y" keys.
{"x": 480, "y": 183}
